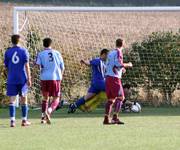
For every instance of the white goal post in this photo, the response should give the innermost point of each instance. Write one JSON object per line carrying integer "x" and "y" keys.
{"x": 85, "y": 9}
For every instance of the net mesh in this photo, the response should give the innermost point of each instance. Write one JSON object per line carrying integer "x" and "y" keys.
{"x": 81, "y": 35}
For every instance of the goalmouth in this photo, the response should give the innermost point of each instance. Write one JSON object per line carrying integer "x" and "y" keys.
{"x": 85, "y": 9}
{"x": 81, "y": 32}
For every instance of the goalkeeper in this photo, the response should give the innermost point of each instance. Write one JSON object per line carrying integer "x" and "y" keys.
{"x": 97, "y": 82}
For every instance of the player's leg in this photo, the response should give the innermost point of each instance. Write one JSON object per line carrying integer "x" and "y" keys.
{"x": 23, "y": 90}
{"x": 52, "y": 108}
{"x": 91, "y": 93}
{"x": 108, "y": 110}
{"x": 55, "y": 92}
{"x": 24, "y": 109}
{"x": 94, "y": 89}
{"x": 44, "y": 105}
{"x": 79, "y": 102}
{"x": 12, "y": 91}
{"x": 117, "y": 108}
{"x": 54, "y": 105}
{"x": 108, "y": 107}
{"x": 94, "y": 102}
{"x": 12, "y": 111}
{"x": 61, "y": 104}
{"x": 118, "y": 103}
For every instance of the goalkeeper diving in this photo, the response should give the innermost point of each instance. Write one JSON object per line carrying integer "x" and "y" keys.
{"x": 98, "y": 66}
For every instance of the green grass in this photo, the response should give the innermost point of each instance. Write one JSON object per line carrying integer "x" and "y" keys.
{"x": 153, "y": 129}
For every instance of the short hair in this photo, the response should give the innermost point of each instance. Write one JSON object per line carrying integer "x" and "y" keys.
{"x": 15, "y": 39}
{"x": 104, "y": 51}
{"x": 119, "y": 43}
{"x": 47, "y": 42}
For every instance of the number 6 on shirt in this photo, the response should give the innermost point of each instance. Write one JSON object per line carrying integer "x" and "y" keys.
{"x": 15, "y": 58}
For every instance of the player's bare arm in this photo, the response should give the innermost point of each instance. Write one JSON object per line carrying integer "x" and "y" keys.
{"x": 28, "y": 74}
{"x": 123, "y": 70}
{"x": 128, "y": 65}
{"x": 87, "y": 63}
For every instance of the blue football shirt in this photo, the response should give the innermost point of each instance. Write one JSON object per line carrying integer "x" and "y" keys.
{"x": 98, "y": 70}
{"x": 52, "y": 64}
{"x": 15, "y": 59}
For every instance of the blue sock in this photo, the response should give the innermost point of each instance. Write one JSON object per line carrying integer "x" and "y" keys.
{"x": 80, "y": 102}
{"x": 12, "y": 111}
{"x": 24, "y": 108}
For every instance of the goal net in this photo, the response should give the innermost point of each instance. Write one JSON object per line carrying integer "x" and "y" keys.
{"x": 81, "y": 32}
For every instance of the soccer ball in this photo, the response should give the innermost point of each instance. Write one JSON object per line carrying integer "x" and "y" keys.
{"x": 136, "y": 108}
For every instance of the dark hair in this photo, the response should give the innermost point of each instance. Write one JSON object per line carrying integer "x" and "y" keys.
{"x": 119, "y": 43}
{"x": 104, "y": 51}
{"x": 47, "y": 42}
{"x": 15, "y": 39}
{"x": 128, "y": 86}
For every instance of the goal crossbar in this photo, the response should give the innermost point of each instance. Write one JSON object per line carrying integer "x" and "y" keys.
{"x": 86, "y": 9}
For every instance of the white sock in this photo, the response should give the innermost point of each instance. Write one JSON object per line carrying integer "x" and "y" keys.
{"x": 24, "y": 118}
{"x": 12, "y": 118}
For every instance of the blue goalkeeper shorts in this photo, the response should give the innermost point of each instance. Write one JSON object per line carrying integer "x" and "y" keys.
{"x": 17, "y": 89}
{"x": 97, "y": 87}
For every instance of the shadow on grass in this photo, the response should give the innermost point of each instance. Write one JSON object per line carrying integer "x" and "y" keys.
{"x": 99, "y": 112}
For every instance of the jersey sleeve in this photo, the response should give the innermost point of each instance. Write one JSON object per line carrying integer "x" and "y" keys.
{"x": 38, "y": 60}
{"x": 118, "y": 60}
{"x": 26, "y": 56}
{"x": 94, "y": 62}
{"x": 61, "y": 62}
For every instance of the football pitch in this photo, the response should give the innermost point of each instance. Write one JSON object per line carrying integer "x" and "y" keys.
{"x": 153, "y": 129}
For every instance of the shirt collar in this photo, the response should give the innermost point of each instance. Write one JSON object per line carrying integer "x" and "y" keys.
{"x": 101, "y": 59}
{"x": 16, "y": 45}
{"x": 47, "y": 49}
{"x": 119, "y": 49}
